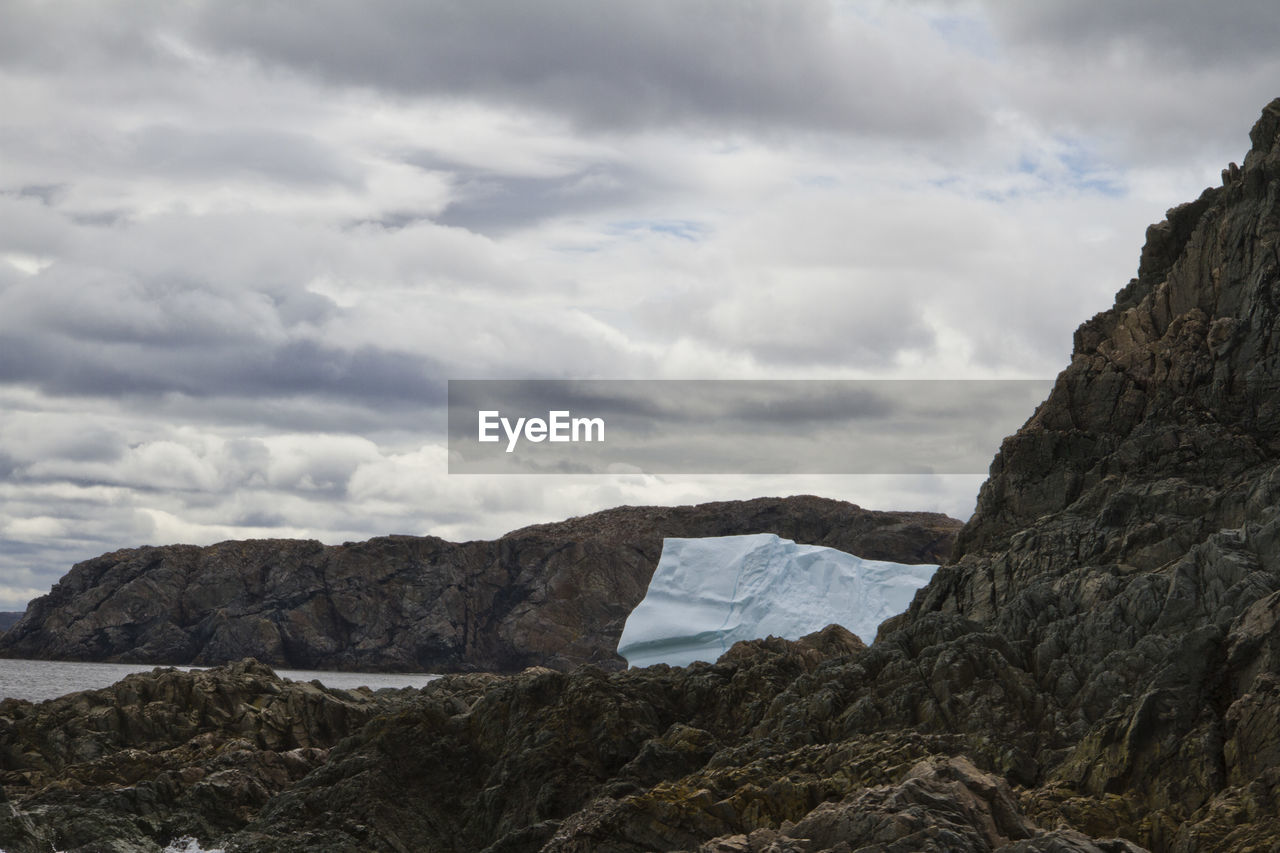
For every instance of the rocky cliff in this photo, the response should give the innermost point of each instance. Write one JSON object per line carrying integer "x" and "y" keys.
{"x": 1127, "y": 543}
{"x": 552, "y": 594}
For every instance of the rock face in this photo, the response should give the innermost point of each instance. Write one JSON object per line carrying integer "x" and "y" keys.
{"x": 714, "y": 758}
{"x": 1128, "y": 540}
{"x": 552, "y": 594}
{"x": 707, "y": 594}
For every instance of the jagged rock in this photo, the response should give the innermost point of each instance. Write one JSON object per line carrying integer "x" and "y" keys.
{"x": 659, "y": 759}
{"x": 942, "y": 805}
{"x": 551, "y": 594}
{"x": 1127, "y": 540}
{"x": 163, "y": 754}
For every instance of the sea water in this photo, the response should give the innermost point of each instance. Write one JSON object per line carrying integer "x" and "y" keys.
{"x": 37, "y": 680}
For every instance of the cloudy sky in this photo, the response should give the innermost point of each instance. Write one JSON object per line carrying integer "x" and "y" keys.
{"x": 243, "y": 245}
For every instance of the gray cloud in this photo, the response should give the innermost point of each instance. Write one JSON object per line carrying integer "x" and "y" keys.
{"x": 1168, "y": 32}
{"x": 278, "y": 156}
{"x": 81, "y": 34}
{"x": 366, "y": 374}
{"x": 494, "y": 204}
{"x": 46, "y": 193}
{"x": 611, "y": 65}
{"x": 1150, "y": 82}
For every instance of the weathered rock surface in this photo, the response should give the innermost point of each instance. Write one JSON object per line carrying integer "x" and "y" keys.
{"x": 164, "y": 754}
{"x": 1128, "y": 541}
{"x": 552, "y": 594}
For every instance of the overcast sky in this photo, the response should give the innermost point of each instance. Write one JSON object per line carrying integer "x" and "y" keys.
{"x": 243, "y": 245}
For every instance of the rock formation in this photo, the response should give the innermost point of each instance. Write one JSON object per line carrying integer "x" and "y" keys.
{"x": 1128, "y": 540}
{"x": 704, "y": 758}
{"x": 164, "y": 754}
{"x": 1098, "y": 668}
{"x": 552, "y": 594}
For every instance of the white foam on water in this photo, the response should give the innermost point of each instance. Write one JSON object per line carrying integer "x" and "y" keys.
{"x": 187, "y": 844}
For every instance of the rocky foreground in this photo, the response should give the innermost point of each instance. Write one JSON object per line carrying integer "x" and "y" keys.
{"x": 1098, "y": 669}
{"x": 552, "y": 594}
{"x": 751, "y": 754}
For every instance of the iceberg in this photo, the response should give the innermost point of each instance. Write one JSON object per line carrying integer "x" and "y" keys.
{"x": 707, "y": 594}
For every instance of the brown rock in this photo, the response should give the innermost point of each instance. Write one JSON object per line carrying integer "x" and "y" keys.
{"x": 552, "y": 594}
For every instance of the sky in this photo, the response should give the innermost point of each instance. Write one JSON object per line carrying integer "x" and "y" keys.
{"x": 244, "y": 245}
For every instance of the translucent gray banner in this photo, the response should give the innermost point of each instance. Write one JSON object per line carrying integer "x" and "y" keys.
{"x": 597, "y": 426}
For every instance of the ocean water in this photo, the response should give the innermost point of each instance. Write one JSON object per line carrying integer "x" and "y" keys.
{"x": 37, "y": 680}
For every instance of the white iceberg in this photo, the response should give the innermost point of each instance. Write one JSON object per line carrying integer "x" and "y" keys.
{"x": 708, "y": 594}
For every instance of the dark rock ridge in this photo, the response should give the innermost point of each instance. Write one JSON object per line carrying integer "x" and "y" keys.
{"x": 1097, "y": 670}
{"x": 707, "y": 758}
{"x": 1127, "y": 543}
{"x": 552, "y": 594}
{"x": 164, "y": 754}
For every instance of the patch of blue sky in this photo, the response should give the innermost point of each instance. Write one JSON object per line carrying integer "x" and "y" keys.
{"x": 1070, "y": 164}
{"x": 685, "y": 229}
{"x": 1084, "y": 171}
{"x": 1106, "y": 185}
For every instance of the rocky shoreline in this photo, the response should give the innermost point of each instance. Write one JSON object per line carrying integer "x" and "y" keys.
{"x": 711, "y": 757}
{"x": 1097, "y": 668}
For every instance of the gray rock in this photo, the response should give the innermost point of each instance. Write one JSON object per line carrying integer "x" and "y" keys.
{"x": 163, "y": 754}
{"x": 552, "y": 594}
